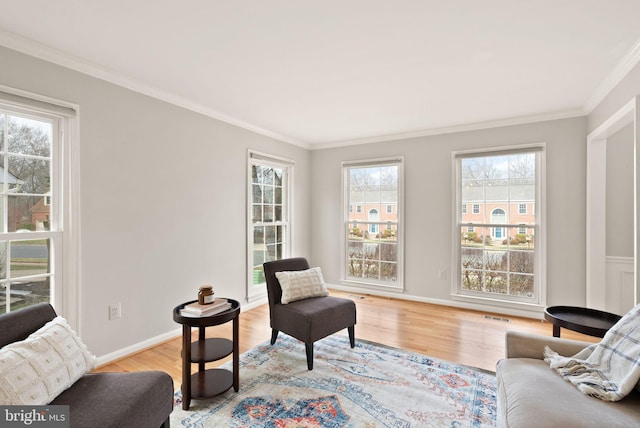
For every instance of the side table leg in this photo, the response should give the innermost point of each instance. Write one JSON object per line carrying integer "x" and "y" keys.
{"x": 201, "y": 338}
{"x": 186, "y": 367}
{"x": 556, "y": 331}
{"x": 236, "y": 353}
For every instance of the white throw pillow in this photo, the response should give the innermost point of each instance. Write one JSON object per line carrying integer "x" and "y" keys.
{"x": 37, "y": 369}
{"x": 301, "y": 284}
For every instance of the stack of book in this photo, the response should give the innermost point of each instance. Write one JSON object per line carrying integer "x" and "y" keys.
{"x": 197, "y": 310}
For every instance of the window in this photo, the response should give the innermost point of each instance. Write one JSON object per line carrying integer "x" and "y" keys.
{"x": 373, "y": 246}
{"x": 358, "y": 208}
{"x": 522, "y": 208}
{"x": 269, "y": 216}
{"x": 32, "y": 198}
{"x": 389, "y": 209}
{"x": 476, "y": 208}
{"x": 464, "y": 208}
{"x": 500, "y": 262}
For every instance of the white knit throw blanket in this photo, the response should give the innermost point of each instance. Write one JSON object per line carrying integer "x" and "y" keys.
{"x": 608, "y": 370}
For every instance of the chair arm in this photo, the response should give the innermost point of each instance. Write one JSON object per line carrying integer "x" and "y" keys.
{"x": 526, "y": 345}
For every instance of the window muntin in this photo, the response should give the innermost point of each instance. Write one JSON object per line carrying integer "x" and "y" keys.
{"x": 269, "y": 222}
{"x": 29, "y": 223}
{"x": 373, "y": 251}
{"x": 501, "y": 259}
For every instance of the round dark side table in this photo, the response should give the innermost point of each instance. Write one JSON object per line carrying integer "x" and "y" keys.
{"x": 592, "y": 322}
{"x": 209, "y": 382}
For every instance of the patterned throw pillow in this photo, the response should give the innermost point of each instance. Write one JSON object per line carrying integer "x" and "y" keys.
{"x": 301, "y": 284}
{"x": 37, "y": 369}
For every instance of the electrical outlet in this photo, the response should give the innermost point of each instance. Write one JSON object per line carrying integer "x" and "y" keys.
{"x": 115, "y": 311}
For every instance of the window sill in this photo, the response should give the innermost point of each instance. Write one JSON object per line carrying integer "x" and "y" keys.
{"x": 372, "y": 286}
{"x": 499, "y": 303}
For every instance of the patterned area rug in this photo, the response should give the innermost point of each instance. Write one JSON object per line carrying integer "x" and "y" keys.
{"x": 369, "y": 386}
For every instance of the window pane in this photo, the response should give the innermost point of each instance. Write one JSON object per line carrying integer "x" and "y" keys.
{"x": 268, "y": 213}
{"x": 257, "y": 193}
{"x": 26, "y": 205}
{"x": 257, "y": 213}
{"x": 3, "y": 261}
{"x": 268, "y": 194}
{"x": 29, "y": 137}
{"x": 29, "y": 258}
{"x": 268, "y": 206}
{"x": 277, "y": 198}
{"x": 371, "y": 223}
{"x": 497, "y": 253}
{"x": 267, "y": 175}
{"x": 388, "y": 271}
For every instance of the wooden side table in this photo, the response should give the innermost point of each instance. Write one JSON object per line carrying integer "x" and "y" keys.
{"x": 207, "y": 382}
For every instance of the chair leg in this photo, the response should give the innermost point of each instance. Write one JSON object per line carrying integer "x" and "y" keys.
{"x": 352, "y": 336}
{"x": 309, "y": 348}
{"x": 274, "y": 335}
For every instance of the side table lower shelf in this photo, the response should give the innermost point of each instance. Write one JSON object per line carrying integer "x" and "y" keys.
{"x": 210, "y": 382}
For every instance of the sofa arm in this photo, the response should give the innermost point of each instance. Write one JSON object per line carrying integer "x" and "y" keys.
{"x": 526, "y": 345}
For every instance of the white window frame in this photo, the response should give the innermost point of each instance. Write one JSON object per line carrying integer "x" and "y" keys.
{"x": 540, "y": 286}
{"x": 521, "y": 210}
{"x": 65, "y": 221}
{"x": 398, "y": 285}
{"x": 259, "y": 291}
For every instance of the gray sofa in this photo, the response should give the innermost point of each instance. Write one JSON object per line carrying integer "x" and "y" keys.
{"x": 110, "y": 400}
{"x": 531, "y": 394}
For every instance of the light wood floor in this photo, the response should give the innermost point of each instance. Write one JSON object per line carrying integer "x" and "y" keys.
{"x": 457, "y": 335}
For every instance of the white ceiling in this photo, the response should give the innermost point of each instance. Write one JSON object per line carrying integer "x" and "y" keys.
{"x": 325, "y": 72}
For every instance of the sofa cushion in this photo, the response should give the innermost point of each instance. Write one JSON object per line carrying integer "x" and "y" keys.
{"x": 35, "y": 370}
{"x": 529, "y": 392}
{"x": 301, "y": 284}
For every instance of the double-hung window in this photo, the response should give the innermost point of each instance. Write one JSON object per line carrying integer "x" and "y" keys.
{"x": 32, "y": 200}
{"x": 502, "y": 259}
{"x": 372, "y": 251}
{"x": 269, "y": 228}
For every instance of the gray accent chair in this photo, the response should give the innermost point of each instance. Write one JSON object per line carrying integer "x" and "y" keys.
{"x": 108, "y": 400}
{"x": 310, "y": 319}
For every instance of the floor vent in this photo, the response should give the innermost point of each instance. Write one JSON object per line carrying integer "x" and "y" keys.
{"x": 491, "y": 317}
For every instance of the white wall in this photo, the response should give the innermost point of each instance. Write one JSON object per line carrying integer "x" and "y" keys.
{"x": 620, "y": 193}
{"x": 428, "y": 205}
{"x": 162, "y": 202}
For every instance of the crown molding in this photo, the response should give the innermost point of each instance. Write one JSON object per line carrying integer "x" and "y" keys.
{"x": 476, "y": 126}
{"x": 47, "y": 53}
{"x": 630, "y": 60}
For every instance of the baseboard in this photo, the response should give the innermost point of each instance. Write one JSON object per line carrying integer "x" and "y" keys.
{"x": 140, "y": 346}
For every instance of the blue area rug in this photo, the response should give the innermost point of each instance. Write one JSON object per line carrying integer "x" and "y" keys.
{"x": 369, "y": 386}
